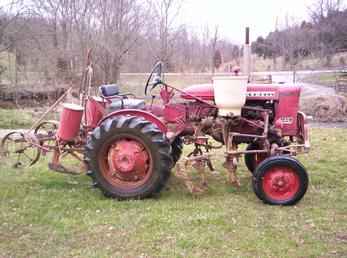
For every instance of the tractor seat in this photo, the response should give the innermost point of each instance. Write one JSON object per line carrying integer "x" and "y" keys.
{"x": 119, "y": 102}
{"x": 109, "y": 90}
{"x": 126, "y": 104}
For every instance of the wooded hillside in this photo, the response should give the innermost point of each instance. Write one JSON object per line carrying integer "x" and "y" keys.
{"x": 324, "y": 35}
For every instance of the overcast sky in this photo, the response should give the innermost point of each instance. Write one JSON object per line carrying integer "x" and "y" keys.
{"x": 232, "y": 16}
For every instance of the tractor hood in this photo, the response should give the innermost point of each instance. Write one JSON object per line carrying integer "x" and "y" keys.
{"x": 202, "y": 91}
{"x": 254, "y": 91}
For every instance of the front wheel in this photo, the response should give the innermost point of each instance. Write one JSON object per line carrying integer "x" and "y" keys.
{"x": 128, "y": 158}
{"x": 280, "y": 180}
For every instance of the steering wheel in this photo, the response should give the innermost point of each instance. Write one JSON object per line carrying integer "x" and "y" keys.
{"x": 154, "y": 78}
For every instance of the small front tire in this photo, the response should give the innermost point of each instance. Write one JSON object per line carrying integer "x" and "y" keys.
{"x": 280, "y": 180}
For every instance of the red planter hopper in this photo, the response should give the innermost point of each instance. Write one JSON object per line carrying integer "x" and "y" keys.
{"x": 70, "y": 121}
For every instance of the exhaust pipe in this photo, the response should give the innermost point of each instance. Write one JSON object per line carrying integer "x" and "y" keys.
{"x": 247, "y": 56}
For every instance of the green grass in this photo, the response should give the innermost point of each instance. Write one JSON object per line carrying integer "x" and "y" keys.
{"x": 15, "y": 119}
{"x": 45, "y": 214}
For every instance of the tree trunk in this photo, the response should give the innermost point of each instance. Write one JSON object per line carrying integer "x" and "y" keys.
{"x": 106, "y": 74}
{"x": 15, "y": 66}
{"x": 274, "y": 60}
{"x": 106, "y": 65}
{"x": 115, "y": 70}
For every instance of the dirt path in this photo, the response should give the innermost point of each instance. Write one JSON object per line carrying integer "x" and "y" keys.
{"x": 308, "y": 90}
{"x": 312, "y": 90}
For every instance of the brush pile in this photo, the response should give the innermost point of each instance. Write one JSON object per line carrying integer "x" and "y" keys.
{"x": 330, "y": 108}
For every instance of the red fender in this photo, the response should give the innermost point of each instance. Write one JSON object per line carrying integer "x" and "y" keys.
{"x": 140, "y": 113}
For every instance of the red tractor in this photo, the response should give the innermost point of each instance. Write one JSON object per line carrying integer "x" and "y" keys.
{"x": 130, "y": 146}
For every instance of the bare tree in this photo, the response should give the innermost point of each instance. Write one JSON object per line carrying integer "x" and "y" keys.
{"x": 125, "y": 35}
{"x": 330, "y": 24}
{"x": 11, "y": 34}
{"x": 322, "y": 8}
{"x": 214, "y": 41}
{"x": 165, "y": 13}
{"x": 9, "y": 15}
{"x": 117, "y": 28}
{"x": 58, "y": 16}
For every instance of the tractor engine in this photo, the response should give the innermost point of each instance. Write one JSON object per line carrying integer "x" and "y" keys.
{"x": 280, "y": 101}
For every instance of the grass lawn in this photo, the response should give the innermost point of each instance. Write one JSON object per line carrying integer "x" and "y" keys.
{"x": 23, "y": 118}
{"x": 15, "y": 118}
{"x": 45, "y": 214}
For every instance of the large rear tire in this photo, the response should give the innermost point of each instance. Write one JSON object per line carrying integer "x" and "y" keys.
{"x": 177, "y": 149}
{"x": 128, "y": 158}
{"x": 280, "y": 180}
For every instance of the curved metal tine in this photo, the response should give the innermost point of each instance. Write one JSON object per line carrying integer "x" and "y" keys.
{"x": 10, "y": 146}
{"x": 26, "y": 155}
{"x": 25, "y": 159}
{"x": 18, "y": 147}
{"x": 18, "y": 163}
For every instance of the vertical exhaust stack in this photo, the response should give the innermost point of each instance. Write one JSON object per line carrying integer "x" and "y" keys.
{"x": 247, "y": 56}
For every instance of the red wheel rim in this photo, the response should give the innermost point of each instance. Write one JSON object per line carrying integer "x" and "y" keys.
{"x": 126, "y": 163}
{"x": 281, "y": 183}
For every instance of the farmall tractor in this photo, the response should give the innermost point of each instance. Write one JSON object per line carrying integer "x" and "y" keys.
{"x": 129, "y": 146}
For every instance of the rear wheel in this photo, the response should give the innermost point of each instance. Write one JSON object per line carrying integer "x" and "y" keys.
{"x": 280, "y": 180}
{"x": 177, "y": 149}
{"x": 252, "y": 160}
{"x": 128, "y": 158}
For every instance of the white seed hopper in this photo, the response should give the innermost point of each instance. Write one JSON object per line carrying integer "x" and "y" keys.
{"x": 230, "y": 94}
